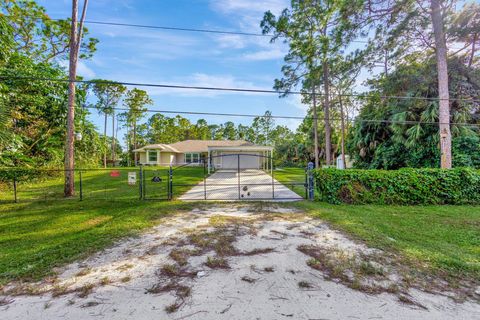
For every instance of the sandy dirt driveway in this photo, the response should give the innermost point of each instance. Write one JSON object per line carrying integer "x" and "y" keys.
{"x": 242, "y": 262}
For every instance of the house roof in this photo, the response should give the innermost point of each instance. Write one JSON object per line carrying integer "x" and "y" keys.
{"x": 161, "y": 146}
{"x": 195, "y": 145}
{"x": 202, "y": 145}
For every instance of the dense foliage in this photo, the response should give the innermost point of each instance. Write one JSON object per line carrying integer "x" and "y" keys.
{"x": 379, "y": 133}
{"x": 381, "y": 138}
{"x": 404, "y": 187}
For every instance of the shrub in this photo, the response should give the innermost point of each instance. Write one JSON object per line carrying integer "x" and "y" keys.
{"x": 404, "y": 187}
{"x": 25, "y": 174}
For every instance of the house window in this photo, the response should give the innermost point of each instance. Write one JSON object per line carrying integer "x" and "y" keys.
{"x": 152, "y": 156}
{"x": 192, "y": 157}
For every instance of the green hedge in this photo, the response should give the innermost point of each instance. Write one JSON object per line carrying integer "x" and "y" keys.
{"x": 403, "y": 187}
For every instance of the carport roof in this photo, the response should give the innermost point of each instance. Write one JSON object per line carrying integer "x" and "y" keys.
{"x": 241, "y": 148}
{"x": 203, "y": 146}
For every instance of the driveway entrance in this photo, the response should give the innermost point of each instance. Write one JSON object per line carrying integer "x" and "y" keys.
{"x": 247, "y": 184}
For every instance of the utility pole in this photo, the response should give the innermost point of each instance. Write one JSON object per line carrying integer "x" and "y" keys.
{"x": 75, "y": 39}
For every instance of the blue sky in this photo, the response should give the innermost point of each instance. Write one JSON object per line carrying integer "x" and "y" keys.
{"x": 156, "y": 56}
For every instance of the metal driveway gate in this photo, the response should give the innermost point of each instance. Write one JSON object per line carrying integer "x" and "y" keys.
{"x": 235, "y": 176}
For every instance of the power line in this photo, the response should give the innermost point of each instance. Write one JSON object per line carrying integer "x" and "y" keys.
{"x": 239, "y": 33}
{"x": 215, "y": 31}
{"x": 243, "y": 115}
{"x": 246, "y": 90}
{"x": 182, "y": 29}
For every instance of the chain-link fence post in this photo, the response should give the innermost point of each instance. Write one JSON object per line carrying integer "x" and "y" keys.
{"x": 311, "y": 188}
{"x": 15, "y": 188}
{"x": 80, "y": 184}
{"x": 204, "y": 179}
{"x": 140, "y": 184}
{"x": 170, "y": 183}
{"x": 238, "y": 172}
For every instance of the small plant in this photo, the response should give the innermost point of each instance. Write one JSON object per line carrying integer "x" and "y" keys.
{"x": 125, "y": 279}
{"x": 369, "y": 269}
{"x": 59, "y": 290}
{"x": 180, "y": 256}
{"x": 85, "y": 290}
{"x": 125, "y": 267}
{"x": 83, "y": 272}
{"x": 105, "y": 281}
{"x": 170, "y": 270}
{"x": 217, "y": 263}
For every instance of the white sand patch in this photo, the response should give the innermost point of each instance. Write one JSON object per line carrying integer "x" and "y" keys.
{"x": 271, "y": 292}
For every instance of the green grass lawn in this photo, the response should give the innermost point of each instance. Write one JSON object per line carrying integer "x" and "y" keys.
{"x": 293, "y": 178}
{"x": 37, "y": 236}
{"x": 444, "y": 239}
{"x": 99, "y": 184}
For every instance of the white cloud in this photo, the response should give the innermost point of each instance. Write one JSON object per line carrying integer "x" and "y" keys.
{"x": 250, "y": 6}
{"x": 296, "y": 101}
{"x": 246, "y": 16}
{"x": 193, "y": 80}
{"x": 85, "y": 71}
{"x": 82, "y": 69}
{"x": 231, "y": 41}
{"x": 274, "y": 53}
{"x": 292, "y": 124}
{"x": 210, "y": 80}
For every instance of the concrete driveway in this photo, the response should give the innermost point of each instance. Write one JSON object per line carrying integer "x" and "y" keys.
{"x": 250, "y": 184}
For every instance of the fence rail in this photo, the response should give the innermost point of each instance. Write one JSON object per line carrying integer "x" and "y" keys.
{"x": 142, "y": 183}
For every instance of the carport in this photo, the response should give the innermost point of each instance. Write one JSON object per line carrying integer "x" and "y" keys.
{"x": 240, "y": 158}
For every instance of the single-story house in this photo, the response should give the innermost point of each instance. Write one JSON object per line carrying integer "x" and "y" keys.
{"x": 219, "y": 154}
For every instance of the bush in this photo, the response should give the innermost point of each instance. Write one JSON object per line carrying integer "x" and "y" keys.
{"x": 404, "y": 187}
{"x": 7, "y": 175}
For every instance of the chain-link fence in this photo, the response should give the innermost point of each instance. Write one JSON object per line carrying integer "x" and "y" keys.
{"x": 20, "y": 185}
{"x": 227, "y": 177}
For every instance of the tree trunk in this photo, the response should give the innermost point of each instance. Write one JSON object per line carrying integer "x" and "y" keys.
{"x": 328, "y": 129}
{"x": 113, "y": 138}
{"x": 315, "y": 128}
{"x": 442, "y": 69}
{"x": 342, "y": 125}
{"x": 69, "y": 187}
{"x": 105, "y": 140}
{"x": 75, "y": 40}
